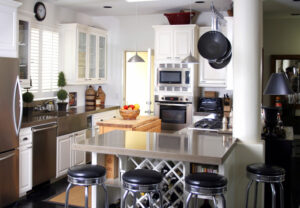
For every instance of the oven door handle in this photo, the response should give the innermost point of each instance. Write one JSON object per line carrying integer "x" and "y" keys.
{"x": 171, "y": 104}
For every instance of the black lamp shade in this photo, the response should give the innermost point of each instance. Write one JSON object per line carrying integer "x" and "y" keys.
{"x": 278, "y": 84}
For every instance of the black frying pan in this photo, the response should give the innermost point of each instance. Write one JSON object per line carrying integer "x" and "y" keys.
{"x": 222, "y": 64}
{"x": 212, "y": 45}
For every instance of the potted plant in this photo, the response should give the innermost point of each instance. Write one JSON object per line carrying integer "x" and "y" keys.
{"x": 62, "y": 94}
{"x": 27, "y": 99}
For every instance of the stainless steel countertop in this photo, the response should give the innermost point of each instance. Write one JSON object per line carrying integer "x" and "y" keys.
{"x": 190, "y": 146}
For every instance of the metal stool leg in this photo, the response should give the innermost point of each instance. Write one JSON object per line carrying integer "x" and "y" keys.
{"x": 196, "y": 203}
{"x": 255, "y": 196}
{"x": 215, "y": 201}
{"x": 273, "y": 196}
{"x": 188, "y": 199}
{"x": 67, "y": 195}
{"x": 281, "y": 195}
{"x": 223, "y": 200}
{"x": 150, "y": 200}
{"x": 247, "y": 193}
{"x": 124, "y": 198}
{"x": 86, "y": 202}
{"x": 134, "y": 200}
{"x": 160, "y": 199}
{"x": 106, "y": 195}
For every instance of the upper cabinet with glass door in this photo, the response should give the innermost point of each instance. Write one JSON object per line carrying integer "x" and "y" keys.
{"x": 83, "y": 54}
{"x": 24, "y": 52}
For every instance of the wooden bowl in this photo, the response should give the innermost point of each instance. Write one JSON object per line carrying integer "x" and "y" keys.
{"x": 129, "y": 114}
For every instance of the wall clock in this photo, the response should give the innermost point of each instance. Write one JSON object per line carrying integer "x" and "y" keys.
{"x": 40, "y": 11}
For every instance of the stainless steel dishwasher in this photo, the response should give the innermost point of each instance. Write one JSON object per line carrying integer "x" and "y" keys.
{"x": 44, "y": 153}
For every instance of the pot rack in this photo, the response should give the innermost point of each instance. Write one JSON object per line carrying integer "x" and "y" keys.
{"x": 217, "y": 18}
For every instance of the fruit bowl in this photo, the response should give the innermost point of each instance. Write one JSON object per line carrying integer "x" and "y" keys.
{"x": 129, "y": 114}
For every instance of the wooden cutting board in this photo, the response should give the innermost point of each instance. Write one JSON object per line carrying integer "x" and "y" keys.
{"x": 119, "y": 122}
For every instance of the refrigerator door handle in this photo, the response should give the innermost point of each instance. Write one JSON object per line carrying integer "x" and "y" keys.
{"x": 17, "y": 87}
{"x": 20, "y": 104}
{"x": 7, "y": 156}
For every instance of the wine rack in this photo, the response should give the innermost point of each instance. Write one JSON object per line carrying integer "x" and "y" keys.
{"x": 172, "y": 185}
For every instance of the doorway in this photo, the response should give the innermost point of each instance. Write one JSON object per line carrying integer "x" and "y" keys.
{"x": 138, "y": 82}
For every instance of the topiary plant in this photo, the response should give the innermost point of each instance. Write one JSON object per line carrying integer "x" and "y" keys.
{"x": 28, "y": 97}
{"x": 61, "y": 80}
{"x": 62, "y": 94}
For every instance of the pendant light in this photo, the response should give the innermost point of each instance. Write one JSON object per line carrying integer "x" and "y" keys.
{"x": 136, "y": 58}
{"x": 190, "y": 59}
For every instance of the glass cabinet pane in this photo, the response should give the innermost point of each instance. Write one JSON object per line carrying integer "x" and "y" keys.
{"x": 92, "y": 57}
{"x": 102, "y": 55}
{"x": 82, "y": 55}
{"x": 23, "y": 49}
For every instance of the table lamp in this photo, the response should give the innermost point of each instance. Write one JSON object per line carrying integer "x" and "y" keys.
{"x": 277, "y": 85}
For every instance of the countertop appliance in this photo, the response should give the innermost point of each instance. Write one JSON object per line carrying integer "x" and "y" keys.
{"x": 214, "y": 105}
{"x": 175, "y": 112}
{"x": 10, "y": 124}
{"x": 212, "y": 122}
{"x": 43, "y": 153}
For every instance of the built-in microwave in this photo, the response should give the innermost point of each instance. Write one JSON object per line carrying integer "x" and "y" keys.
{"x": 173, "y": 77}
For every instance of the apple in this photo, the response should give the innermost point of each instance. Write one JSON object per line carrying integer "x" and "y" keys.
{"x": 131, "y": 106}
{"x": 125, "y": 107}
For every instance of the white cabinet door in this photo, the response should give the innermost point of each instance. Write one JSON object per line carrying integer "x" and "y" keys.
{"x": 9, "y": 25}
{"x": 92, "y": 57}
{"x": 82, "y": 55}
{"x": 164, "y": 44}
{"x": 182, "y": 43}
{"x": 63, "y": 154}
{"x": 208, "y": 76}
{"x": 25, "y": 169}
{"x": 78, "y": 157}
{"x": 102, "y": 57}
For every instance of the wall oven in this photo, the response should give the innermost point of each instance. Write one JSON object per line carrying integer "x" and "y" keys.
{"x": 175, "y": 112}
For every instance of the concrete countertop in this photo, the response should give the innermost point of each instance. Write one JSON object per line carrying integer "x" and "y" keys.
{"x": 38, "y": 118}
{"x": 191, "y": 146}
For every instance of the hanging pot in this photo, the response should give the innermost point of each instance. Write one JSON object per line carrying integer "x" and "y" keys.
{"x": 222, "y": 64}
{"x": 212, "y": 45}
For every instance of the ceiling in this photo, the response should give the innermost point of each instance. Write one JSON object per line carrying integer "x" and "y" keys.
{"x": 122, "y": 7}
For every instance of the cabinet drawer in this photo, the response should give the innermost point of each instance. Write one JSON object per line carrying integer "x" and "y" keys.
{"x": 25, "y": 137}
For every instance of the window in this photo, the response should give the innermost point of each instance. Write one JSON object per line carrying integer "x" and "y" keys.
{"x": 44, "y": 61}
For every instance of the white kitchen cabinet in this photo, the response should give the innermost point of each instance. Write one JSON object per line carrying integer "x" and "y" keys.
{"x": 174, "y": 42}
{"x": 66, "y": 157}
{"x": 25, "y": 161}
{"x": 63, "y": 154}
{"x": 84, "y": 54}
{"x": 78, "y": 157}
{"x": 208, "y": 76}
{"x": 9, "y": 28}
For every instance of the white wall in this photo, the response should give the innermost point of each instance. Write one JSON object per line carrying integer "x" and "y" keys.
{"x": 56, "y": 15}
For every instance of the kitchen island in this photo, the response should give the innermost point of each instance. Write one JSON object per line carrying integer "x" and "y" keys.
{"x": 174, "y": 154}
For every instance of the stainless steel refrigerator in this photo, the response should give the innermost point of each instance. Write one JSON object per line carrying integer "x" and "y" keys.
{"x": 10, "y": 124}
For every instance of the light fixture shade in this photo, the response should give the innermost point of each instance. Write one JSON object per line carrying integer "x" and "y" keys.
{"x": 278, "y": 85}
{"x": 190, "y": 59}
{"x": 136, "y": 58}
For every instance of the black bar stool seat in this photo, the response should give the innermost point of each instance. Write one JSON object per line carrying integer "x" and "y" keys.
{"x": 205, "y": 185}
{"x": 142, "y": 180}
{"x": 86, "y": 175}
{"x": 262, "y": 173}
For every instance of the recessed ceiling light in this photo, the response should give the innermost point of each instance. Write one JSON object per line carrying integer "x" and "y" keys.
{"x": 132, "y": 1}
{"x": 107, "y": 7}
{"x": 295, "y": 14}
{"x": 199, "y": 2}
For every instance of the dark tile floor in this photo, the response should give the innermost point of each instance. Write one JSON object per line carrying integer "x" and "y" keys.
{"x": 37, "y": 198}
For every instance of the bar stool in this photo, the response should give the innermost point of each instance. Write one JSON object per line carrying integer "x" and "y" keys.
{"x": 86, "y": 175}
{"x": 142, "y": 180}
{"x": 262, "y": 173}
{"x": 205, "y": 185}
